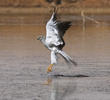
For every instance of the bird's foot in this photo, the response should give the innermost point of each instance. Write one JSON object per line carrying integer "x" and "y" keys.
{"x": 50, "y": 68}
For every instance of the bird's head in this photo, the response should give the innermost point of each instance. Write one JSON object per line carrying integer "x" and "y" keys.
{"x": 41, "y": 37}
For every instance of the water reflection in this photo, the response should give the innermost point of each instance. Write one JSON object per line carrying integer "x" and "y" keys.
{"x": 78, "y": 87}
{"x": 62, "y": 89}
{"x": 63, "y": 86}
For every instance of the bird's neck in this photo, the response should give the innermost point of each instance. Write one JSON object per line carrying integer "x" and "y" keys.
{"x": 44, "y": 43}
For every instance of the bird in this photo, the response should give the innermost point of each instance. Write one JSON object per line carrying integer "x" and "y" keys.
{"x": 54, "y": 41}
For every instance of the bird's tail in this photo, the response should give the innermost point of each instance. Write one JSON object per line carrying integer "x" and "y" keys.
{"x": 67, "y": 58}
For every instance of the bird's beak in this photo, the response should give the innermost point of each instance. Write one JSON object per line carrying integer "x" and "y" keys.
{"x": 38, "y": 38}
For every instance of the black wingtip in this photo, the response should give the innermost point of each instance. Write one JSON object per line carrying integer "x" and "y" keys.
{"x": 54, "y": 15}
{"x": 55, "y": 9}
{"x": 69, "y": 23}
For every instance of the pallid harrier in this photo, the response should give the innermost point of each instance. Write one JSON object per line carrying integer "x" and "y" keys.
{"x": 55, "y": 31}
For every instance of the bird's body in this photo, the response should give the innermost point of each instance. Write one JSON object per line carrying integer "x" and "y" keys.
{"x": 55, "y": 31}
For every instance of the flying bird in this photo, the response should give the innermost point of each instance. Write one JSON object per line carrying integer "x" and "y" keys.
{"x": 54, "y": 41}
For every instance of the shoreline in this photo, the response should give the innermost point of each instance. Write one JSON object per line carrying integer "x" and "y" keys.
{"x": 45, "y": 10}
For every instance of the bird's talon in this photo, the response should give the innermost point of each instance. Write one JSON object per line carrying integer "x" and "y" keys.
{"x": 50, "y": 68}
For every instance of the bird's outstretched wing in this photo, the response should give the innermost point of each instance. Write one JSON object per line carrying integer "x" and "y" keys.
{"x": 52, "y": 34}
{"x": 55, "y": 31}
{"x": 63, "y": 26}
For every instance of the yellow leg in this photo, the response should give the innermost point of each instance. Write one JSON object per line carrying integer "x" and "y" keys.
{"x": 50, "y": 68}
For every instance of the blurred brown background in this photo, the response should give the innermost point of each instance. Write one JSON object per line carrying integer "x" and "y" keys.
{"x": 89, "y": 33}
{"x": 24, "y": 60}
{"x": 16, "y": 11}
{"x": 42, "y": 3}
{"x": 11, "y": 6}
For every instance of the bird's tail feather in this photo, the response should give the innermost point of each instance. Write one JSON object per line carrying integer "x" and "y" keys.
{"x": 67, "y": 58}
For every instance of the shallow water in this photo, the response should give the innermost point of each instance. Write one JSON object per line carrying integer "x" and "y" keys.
{"x": 23, "y": 63}
{"x": 91, "y": 43}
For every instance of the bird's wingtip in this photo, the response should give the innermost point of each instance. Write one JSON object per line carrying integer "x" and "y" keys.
{"x": 55, "y": 9}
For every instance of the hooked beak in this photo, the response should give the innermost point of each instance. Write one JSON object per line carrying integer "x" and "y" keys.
{"x": 38, "y": 38}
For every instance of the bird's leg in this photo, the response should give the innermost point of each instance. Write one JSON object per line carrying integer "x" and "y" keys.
{"x": 50, "y": 68}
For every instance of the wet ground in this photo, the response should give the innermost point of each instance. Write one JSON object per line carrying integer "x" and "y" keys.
{"x": 24, "y": 61}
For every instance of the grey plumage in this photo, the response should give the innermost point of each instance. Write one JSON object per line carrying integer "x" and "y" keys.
{"x": 54, "y": 41}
